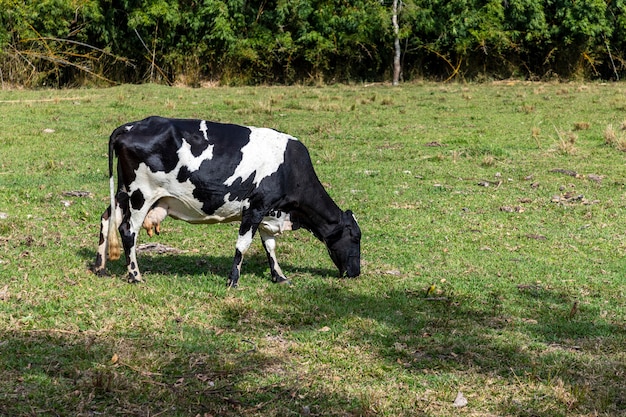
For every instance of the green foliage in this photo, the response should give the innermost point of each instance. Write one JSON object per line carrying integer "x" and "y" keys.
{"x": 279, "y": 41}
{"x": 46, "y": 42}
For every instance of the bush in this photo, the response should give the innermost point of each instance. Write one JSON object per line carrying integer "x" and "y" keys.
{"x": 65, "y": 42}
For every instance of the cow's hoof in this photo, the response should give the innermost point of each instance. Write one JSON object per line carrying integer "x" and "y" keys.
{"x": 232, "y": 284}
{"x": 101, "y": 272}
{"x": 134, "y": 280}
{"x": 281, "y": 280}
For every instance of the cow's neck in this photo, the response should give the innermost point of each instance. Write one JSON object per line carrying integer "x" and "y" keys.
{"x": 322, "y": 216}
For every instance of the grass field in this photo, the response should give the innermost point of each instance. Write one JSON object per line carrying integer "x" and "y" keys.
{"x": 492, "y": 260}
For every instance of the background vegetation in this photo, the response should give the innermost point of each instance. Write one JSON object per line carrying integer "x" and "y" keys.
{"x": 507, "y": 198}
{"x": 73, "y": 42}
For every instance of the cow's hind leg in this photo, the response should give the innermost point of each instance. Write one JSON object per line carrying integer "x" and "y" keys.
{"x": 129, "y": 241}
{"x": 129, "y": 229}
{"x": 269, "y": 244}
{"x": 99, "y": 265}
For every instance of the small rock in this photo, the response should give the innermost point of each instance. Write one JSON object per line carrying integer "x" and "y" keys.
{"x": 77, "y": 194}
{"x": 4, "y": 293}
{"x": 512, "y": 209}
{"x": 536, "y": 236}
{"x": 566, "y": 172}
{"x": 156, "y": 248}
{"x": 596, "y": 178}
{"x": 460, "y": 400}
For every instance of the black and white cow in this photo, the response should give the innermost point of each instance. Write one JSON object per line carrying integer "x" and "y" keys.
{"x": 207, "y": 172}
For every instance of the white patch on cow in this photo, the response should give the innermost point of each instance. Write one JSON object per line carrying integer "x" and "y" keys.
{"x": 229, "y": 212}
{"x": 276, "y": 225}
{"x": 187, "y": 208}
{"x": 129, "y": 127}
{"x": 185, "y": 157}
{"x": 161, "y": 184}
{"x": 261, "y": 156}
{"x": 203, "y": 129}
{"x": 243, "y": 242}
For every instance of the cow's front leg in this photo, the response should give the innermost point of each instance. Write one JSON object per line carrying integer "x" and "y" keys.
{"x": 269, "y": 244}
{"x": 249, "y": 226}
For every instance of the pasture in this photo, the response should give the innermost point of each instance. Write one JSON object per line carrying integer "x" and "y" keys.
{"x": 493, "y": 273}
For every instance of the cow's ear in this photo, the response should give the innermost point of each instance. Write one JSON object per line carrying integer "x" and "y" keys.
{"x": 351, "y": 224}
{"x": 349, "y": 217}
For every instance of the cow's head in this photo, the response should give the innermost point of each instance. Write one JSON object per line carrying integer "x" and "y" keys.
{"x": 344, "y": 246}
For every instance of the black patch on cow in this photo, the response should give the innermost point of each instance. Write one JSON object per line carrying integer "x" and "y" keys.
{"x": 209, "y": 179}
{"x": 122, "y": 201}
{"x": 128, "y": 237}
{"x": 105, "y": 216}
{"x": 97, "y": 267}
{"x": 183, "y": 174}
{"x": 227, "y": 137}
{"x": 137, "y": 199}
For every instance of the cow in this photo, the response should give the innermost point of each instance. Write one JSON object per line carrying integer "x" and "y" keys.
{"x": 208, "y": 172}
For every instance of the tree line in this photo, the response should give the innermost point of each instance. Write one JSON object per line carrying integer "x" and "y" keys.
{"x": 78, "y": 42}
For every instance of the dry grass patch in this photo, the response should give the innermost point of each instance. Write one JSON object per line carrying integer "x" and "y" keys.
{"x": 566, "y": 142}
{"x": 610, "y": 135}
{"x": 488, "y": 161}
{"x": 614, "y": 138}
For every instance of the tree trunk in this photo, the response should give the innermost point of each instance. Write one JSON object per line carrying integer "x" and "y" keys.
{"x": 396, "y": 44}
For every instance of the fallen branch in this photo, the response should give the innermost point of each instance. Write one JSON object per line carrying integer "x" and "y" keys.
{"x": 565, "y": 172}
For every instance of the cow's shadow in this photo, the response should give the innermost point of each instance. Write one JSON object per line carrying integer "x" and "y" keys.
{"x": 408, "y": 332}
{"x": 202, "y": 264}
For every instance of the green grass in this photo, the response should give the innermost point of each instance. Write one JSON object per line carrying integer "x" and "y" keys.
{"x": 453, "y": 185}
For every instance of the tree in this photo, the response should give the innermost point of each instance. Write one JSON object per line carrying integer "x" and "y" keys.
{"x": 397, "y": 4}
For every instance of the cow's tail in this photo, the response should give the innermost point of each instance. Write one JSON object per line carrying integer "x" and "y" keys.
{"x": 114, "y": 242}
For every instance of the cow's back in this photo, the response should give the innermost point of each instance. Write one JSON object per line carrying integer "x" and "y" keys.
{"x": 210, "y": 162}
